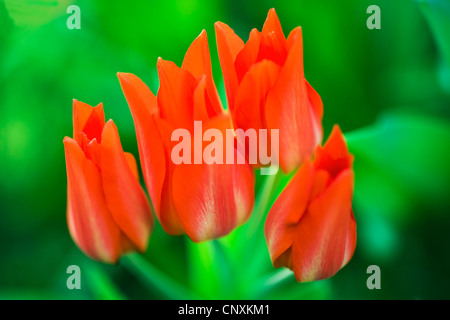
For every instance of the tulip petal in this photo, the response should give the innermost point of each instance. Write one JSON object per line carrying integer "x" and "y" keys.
{"x": 198, "y": 62}
{"x": 200, "y": 104}
{"x": 197, "y": 58}
{"x": 87, "y": 119}
{"x": 131, "y": 160}
{"x": 212, "y": 199}
{"x": 92, "y": 151}
{"x": 288, "y": 110}
{"x": 315, "y": 100}
{"x": 334, "y": 156}
{"x": 248, "y": 55}
{"x": 273, "y": 47}
{"x": 80, "y": 114}
{"x": 168, "y": 215}
{"x": 351, "y": 240}
{"x": 335, "y": 146}
{"x": 252, "y": 93}
{"x": 125, "y": 197}
{"x": 250, "y": 102}
{"x": 137, "y": 93}
{"x": 286, "y": 212}
{"x": 143, "y": 106}
{"x": 321, "y": 180}
{"x": 272, "y": 23}
{"x": 321, "y": 239}
{"x": 228, "y": 47}
{"x": 175, "y": 95}
{"x": 90, "y": 222}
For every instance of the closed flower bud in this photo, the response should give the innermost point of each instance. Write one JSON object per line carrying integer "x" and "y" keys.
{"x": 311, "y": 228}
{"x": 108, "y": 213}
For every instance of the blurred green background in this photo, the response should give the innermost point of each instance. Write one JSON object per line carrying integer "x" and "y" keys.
{"x": 388, "y": 89}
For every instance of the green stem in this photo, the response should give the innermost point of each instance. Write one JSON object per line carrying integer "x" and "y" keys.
{"x": 102, "y": 286}
{"x": 278, "y": 278}
{"x": 154, "y": 279}
{"x": 272, "y": 282}
{"x": 261, "y": 207}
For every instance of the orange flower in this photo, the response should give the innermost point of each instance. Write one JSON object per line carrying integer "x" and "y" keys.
{"x": 266, "y": 88}
{"x": 108, "y": 213}
{"x": 311, "y": 228}
{"x": 204, "y": 201}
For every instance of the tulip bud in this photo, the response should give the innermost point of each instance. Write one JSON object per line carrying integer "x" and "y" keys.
{"x": 311, "y": 228}
{"x": 108, "y": 213}
{"x": 266, "y": 88}
{"x": 204, "y": 201}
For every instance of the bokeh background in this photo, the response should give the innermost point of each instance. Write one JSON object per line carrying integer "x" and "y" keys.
{"x": 388, "y": 89}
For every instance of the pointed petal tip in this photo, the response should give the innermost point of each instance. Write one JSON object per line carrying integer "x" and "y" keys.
{"x": 272, "y": 14}
{"x": 296, "y": 32}
{"x": 220, "y": 26}
{"x": 336, "y": 129}
{"x": 159, "y": 63}
{"x": 99, "y": 108}
{"x": 162, "y": 64}
{"x": 122, "y": 75}
{"x": 272, "y": 23}
{"x": 203, "y": 37}
{"x": 109, "y": 123}
{"x": 336, "y": 138}
{"x": 67, "y": 140}
{"x": 125, "y": 76}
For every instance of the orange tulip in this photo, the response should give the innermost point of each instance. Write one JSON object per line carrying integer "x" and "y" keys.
{"x": 311, "y": 228}
{"x": 204, "y": 201}
{"x": 266, "y": 88}
{"x": 108, "y": 213}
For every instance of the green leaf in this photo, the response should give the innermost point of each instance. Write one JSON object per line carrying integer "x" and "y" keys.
{"x": 35, "y": 13}
{"x": 281, "y": 284}
{"x": 101, "y": 284}
{"x": 401, "y": 164}
{"x": 155, "y": 279}
{"x": 437, "y": 13}
{"x": 209, "y": 270}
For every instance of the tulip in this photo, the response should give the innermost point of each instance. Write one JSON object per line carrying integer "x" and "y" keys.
{"x": 204, "y": 201}
{"x": 311, "y": 228}
{"x": 266, "y": 88}
{"x": 108, "y": 212}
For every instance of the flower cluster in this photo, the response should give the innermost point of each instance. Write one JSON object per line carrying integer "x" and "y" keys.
{"x": 310, "y": 227}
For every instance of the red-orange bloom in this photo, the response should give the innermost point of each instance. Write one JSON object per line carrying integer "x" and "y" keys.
{"x": 266, "y": 88}
{"x": 201, "y": 200}
{"x": 311, "y": 228}
{"x": 108, "y": 213}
